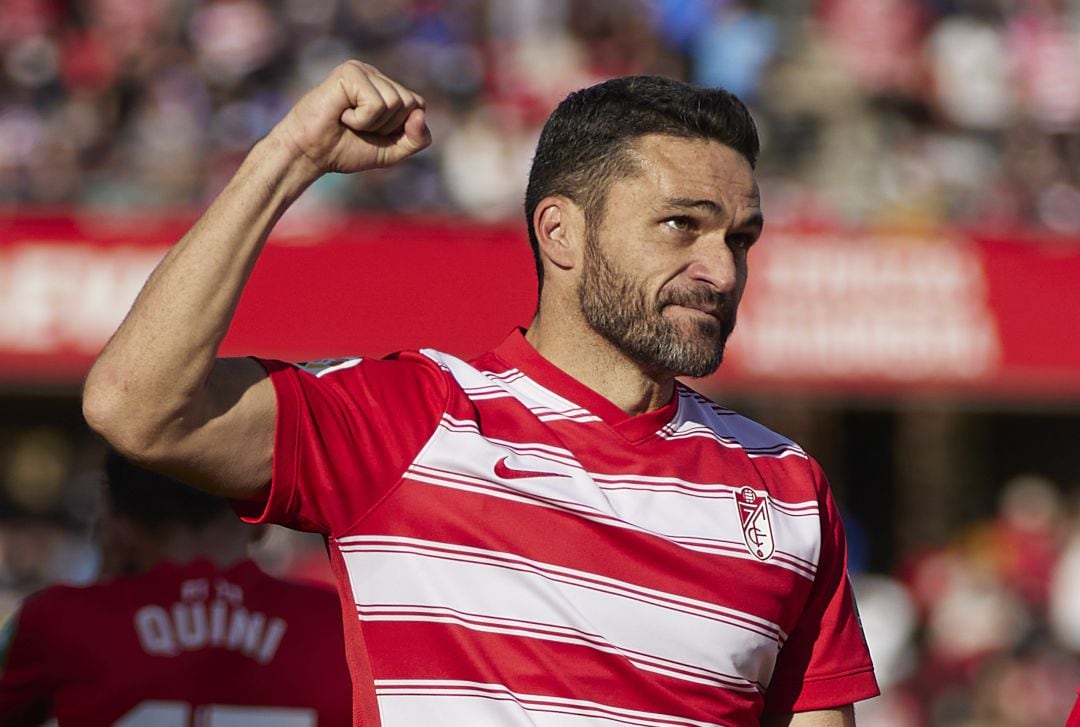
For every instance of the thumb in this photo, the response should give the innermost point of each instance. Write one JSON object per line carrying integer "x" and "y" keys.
{"x": 417, "y": 135}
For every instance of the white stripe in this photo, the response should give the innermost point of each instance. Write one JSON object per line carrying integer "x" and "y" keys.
{"x": 550, "y": 632}
{"x": 699, "y": 417}
{"x": 486, "y": 390}
{"x": 328, "y": 366}
{"x": 473, "y": 396}
{"x": 458, "y": 426}
{"x": 558, "y": 454}
{"x": 556, "y": 416}
{"x": 591, "y": 582}
{"x": 398, "y": 572}
{"x": 677, "y": 510}
{"x": 676, "y": 484}
{"x": 711, "y": 546}
{"x": 690, "y": 431}
{"x": 408, "y": 703}
{"x": 507, "y": 376}
{"x": 546, "y": 404}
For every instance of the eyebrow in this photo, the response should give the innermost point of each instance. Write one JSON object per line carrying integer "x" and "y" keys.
{"x": 756, "y": 220}
{"x": 687, "y": 203}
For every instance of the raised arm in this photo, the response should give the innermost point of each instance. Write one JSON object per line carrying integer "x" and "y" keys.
{"x": 158, "y": 392}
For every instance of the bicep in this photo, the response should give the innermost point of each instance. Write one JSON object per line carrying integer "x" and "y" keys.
{"x": 228, "y": 449}
{"x": 840, "y": 717}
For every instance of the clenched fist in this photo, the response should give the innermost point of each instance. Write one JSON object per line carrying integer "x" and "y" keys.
{"x": 355, "y": 119}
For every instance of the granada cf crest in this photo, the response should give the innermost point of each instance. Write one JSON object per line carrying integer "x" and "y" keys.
{"x": 756, "y": 525}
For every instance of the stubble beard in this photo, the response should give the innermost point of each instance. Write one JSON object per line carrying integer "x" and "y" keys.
{"x": 618, "y": 310}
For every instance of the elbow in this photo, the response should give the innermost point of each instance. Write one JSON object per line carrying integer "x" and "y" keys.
{"x": 97, "y": 404}
{"x": 102, "y": 408}
{"x": 114, "y": 413}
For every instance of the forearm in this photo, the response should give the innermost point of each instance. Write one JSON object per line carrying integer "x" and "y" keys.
{"x": 149, "y": 379}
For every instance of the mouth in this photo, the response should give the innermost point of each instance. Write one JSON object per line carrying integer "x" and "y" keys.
{"x": 697, "y": 312}
{"x": 712, "y": 311}
{"x": 701, "y": 300}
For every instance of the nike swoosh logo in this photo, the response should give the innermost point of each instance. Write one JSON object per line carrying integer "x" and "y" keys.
{"x": 506, "y": 472}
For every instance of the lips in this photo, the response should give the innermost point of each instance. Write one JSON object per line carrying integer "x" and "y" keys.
{"x": 714, "y": 312}
{"x": 708, "y": 304}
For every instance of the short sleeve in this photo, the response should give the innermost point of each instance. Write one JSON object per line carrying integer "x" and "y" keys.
{"x": 26, "y": 679}
{"x": 825, "y": 662}
{"x": 345, "y": 433}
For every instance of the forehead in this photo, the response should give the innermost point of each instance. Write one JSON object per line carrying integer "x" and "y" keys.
{"x": 672, "y": 166}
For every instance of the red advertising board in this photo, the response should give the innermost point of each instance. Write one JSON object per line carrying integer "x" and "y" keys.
{"x": 832, "y": 312}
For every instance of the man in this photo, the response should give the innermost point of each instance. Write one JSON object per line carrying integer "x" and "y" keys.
{"x": 557, "y": 532}
{"x": 188, "y": 632}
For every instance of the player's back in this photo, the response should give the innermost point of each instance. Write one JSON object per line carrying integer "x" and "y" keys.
{"x": 180, "y": 645}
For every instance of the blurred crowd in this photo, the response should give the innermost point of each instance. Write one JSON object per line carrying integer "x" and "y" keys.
{"x": 873, "y": 112}
{"x": 983, "y": 631}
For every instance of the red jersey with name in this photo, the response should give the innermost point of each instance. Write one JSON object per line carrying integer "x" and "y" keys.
{"x": 179, "y": 645}
{"x": 516, "y": 550}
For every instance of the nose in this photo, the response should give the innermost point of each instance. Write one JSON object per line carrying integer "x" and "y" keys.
{"x": 714, "y": 263}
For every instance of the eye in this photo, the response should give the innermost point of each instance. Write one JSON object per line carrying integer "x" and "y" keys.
{"x": 680, "y": 224}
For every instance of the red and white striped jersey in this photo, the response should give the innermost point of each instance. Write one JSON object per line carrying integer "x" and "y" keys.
{"x": 181, "y": 644}
{"x": 519, "y": 551}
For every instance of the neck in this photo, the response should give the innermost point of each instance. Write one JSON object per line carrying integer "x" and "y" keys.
{"x": 222, "y": 543}
{"x": 574, "y": 347}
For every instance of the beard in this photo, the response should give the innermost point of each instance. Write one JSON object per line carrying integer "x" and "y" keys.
{"x": 619, "y": 311}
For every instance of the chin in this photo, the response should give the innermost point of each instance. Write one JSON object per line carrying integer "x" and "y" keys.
{"x": 706, "y": 369}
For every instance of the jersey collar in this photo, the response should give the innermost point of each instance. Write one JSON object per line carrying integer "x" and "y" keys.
{"x": 517, "y": 352}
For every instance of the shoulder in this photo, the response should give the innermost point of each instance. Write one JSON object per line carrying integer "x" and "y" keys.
{"x": 401, "y": 363}
{"x": 45, "y": 615}
{"x": 59, "y": 597}
{"x": 699, "y": 414}
{"x": 357, "y": 376}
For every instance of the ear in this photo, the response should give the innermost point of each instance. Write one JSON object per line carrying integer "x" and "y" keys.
{"x": 560, "y": 231}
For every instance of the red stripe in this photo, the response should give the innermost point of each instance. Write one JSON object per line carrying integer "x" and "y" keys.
{"x": 563, "y": 539}
{"x": 721, "y": 547}
{"x": 532, "y": 629}
{"x": 599, "y": 449}
{"x": 583, "y": 580}
{"x": 547, "y": 668}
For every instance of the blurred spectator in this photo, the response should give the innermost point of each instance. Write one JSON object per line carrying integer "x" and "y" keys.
{"x": 1064, "y": 596}
{"x": 874, "y": 112}
{"x": 970, "y": 70}
{"x": 994, "y": 642}
{"x": 733, "y": 48}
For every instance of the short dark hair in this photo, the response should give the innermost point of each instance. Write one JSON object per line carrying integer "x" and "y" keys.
{"x": 585, "y": 143}
{"x": 153, "y": 499}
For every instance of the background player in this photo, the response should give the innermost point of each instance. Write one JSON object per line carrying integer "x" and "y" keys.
{"x": 185, "y": 630}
